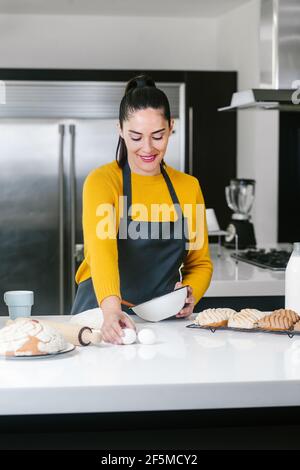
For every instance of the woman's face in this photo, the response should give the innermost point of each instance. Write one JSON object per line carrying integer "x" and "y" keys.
{"x": 146, "y": 134}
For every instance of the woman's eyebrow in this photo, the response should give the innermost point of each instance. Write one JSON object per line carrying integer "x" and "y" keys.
{"x": 140, "y": 133}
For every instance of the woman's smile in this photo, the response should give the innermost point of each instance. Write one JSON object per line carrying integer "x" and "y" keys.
{"x": 148, "y": 158}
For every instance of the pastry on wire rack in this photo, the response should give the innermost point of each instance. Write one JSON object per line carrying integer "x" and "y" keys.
{"x": 297, "y": 325}
{"x": 282, "y": 319}
{"x": 214, "y": 317}
{"x": 246, "y": 318}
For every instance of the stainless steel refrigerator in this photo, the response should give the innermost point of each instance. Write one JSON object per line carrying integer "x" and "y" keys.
{"x": 44, "y": 162}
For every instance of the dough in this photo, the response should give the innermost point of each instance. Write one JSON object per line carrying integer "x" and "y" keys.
{"x": 146, "y": 336}
{"x": 129, "y": 336}
{"x": 92, "y": 318}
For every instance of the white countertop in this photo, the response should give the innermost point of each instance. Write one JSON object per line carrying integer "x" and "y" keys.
{"x": 239, "y": 279}
{"x": 185, "y": 369}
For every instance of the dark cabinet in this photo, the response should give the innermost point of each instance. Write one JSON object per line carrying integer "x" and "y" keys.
{"x": 289, "y": 178}
{"x": 211, "y": 136}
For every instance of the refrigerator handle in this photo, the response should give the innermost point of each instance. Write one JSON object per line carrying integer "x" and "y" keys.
{"x": 72, "y": 209}
{"x": 61, "y": 218}
{"x": 191, "y": 138}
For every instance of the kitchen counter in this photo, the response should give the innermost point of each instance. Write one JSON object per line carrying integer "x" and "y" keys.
{"x": 239, "y": 279}
{"x": 185, "y": 370}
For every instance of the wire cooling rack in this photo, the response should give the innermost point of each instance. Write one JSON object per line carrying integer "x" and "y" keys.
{"x": 289, "y": 333}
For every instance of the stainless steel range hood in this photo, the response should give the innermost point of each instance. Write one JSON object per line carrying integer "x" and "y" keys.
{"x": 279, "y": 52}
{"x": 283, "y": 100}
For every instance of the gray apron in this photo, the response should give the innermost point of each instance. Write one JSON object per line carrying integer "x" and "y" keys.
{"x": 149, "y": 264}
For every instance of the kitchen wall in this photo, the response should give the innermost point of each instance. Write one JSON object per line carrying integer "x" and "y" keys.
{"x": 258, "y": 130}
{"x": 229, "y": 42}
{"x": 107, "y": 42}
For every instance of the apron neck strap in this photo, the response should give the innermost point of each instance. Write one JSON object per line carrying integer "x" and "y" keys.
{"x": 127, "y": 186}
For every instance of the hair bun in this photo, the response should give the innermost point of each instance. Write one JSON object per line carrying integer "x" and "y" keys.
{"x": 140, "y": 81}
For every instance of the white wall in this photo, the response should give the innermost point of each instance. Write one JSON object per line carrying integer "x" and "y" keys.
{"x": 258, "y": 131}
{"x": 50, "y": 41}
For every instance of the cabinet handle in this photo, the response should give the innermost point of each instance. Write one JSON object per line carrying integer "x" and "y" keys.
{"x": 72, "y": 208}
{"x": 79, "y": 252}
{"x": 191, "y": 138}
{"x": 61, "y": 131}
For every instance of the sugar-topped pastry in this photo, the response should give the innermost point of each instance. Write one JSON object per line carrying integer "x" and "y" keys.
{"x": 287, "y": 312}
{"x": 281, "y": 319}
{"x": 214, "y": 317}
{"x": 246, "y": 318}
{"x": 28, "y": 337}
{"x": 297, "y": 326}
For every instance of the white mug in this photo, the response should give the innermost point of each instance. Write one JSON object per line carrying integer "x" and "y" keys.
{"x": 19, "y": 303}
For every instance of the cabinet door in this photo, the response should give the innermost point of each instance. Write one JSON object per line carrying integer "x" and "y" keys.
{"x": 211, "y": 136}
{"x": 289, "y": 178}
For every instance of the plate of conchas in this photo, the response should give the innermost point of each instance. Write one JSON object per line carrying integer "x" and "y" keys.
{"x": 30, "y": 339}
{"x": 248, "y": 319}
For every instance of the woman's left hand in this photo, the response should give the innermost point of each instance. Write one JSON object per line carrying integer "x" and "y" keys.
{"x": 189, "y": 302}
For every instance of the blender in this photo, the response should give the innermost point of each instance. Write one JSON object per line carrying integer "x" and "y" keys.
{"x": 240, "y": 198}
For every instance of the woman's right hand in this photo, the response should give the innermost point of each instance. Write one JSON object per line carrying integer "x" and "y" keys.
{"x": 113, "y": 322}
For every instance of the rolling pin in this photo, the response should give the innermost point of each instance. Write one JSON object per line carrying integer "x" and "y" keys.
{"x": 76, "y": 334}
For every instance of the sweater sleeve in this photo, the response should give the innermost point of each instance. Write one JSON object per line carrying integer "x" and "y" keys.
{"x": 99, "y": 216}
{"x": 197, "y": 268}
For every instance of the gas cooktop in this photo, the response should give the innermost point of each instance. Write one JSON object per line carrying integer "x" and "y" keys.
{"x": 273, "y": 259}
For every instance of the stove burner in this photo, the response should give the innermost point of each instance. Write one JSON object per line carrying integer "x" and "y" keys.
{"x": 273, "y": 259}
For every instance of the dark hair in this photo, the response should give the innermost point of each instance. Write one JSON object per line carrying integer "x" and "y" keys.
{"x": 140, "y": 93}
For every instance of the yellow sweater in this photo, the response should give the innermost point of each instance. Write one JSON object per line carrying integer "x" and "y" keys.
{"x": 104, "y": 185}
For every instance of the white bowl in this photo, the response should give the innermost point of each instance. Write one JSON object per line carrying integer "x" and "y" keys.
{"x": 162, "y": 307}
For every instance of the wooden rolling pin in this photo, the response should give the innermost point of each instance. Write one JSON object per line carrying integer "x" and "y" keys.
{"x": 76, "y": 334}
{"x": 128, "y": 304}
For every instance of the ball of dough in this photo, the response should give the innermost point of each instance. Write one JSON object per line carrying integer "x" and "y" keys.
{"x": 146, "y": 336}
{"x": 129, "y": 336}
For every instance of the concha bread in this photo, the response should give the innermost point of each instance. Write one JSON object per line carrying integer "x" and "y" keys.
{"x": 214, "y": 317}
{"x": 28, "y": 337}
{"x": 281, "y": 319}
{"x": 297, "y": 326}
{"x": 287, "y": 312}
{"x": 246, "y": 318}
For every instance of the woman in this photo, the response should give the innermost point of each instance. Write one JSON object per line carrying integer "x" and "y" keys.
{"x": 143, "y": 256}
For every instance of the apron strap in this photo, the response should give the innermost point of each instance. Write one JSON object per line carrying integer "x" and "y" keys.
{"x": 127, "y": 183}
{"x": 127, "y": 187}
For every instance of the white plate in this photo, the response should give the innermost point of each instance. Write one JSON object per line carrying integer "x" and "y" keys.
{"x": 70, "y": 347}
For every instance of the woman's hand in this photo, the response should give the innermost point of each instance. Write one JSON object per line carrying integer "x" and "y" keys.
{"x": 189, "y": 302}
{"x": 114, "y": 322}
